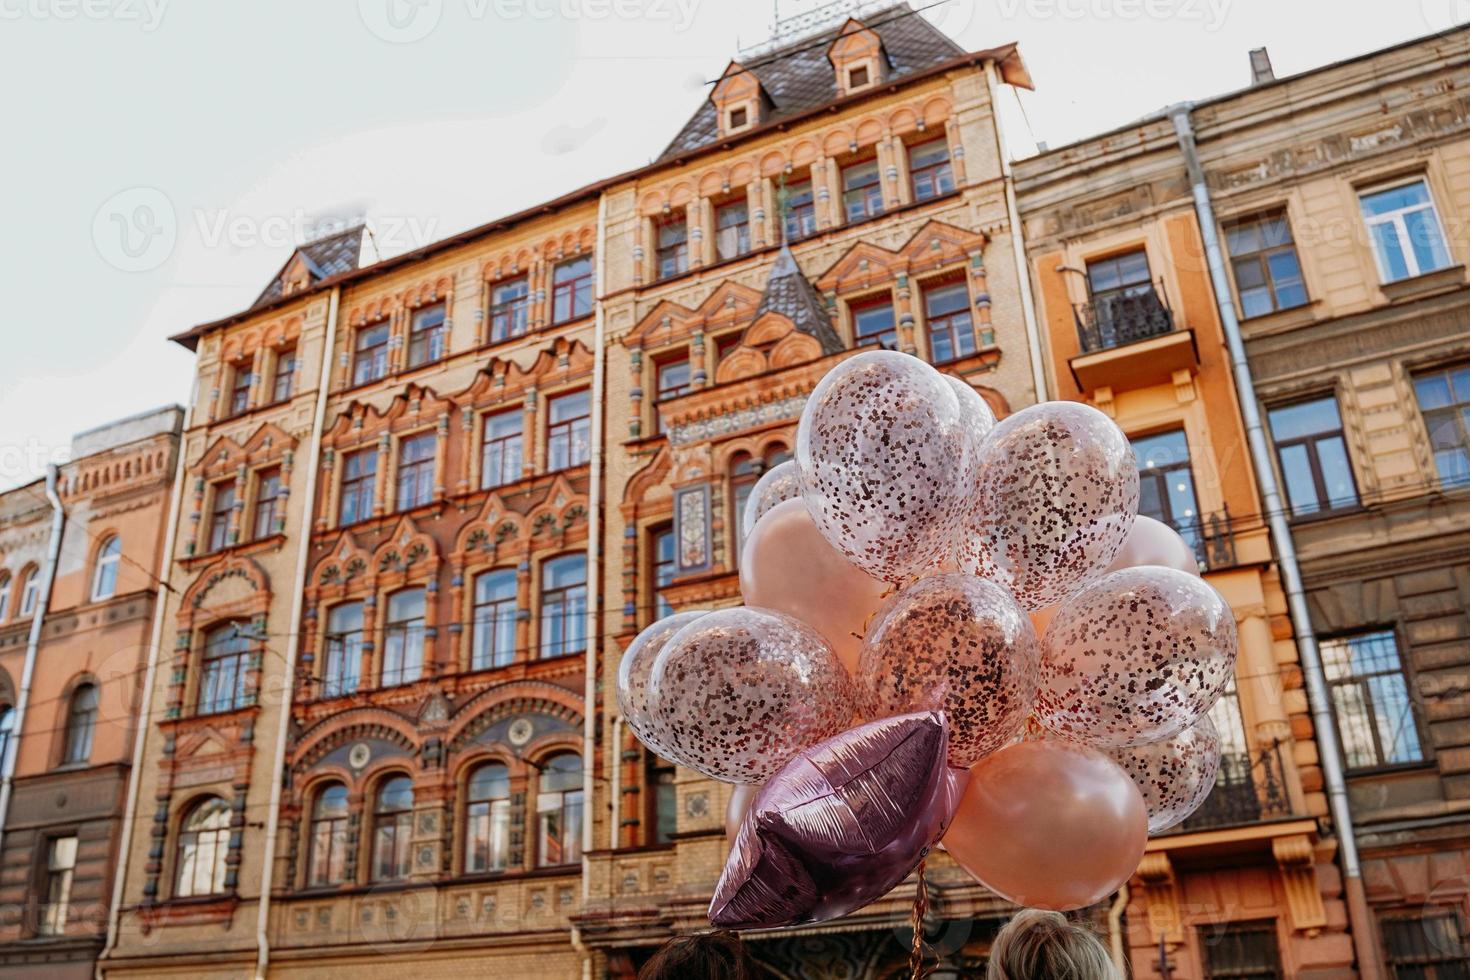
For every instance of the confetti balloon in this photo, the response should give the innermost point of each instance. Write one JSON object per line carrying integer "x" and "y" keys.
{"x": 979, "y": 418}
{"x": 1152, "y": 542}
{"x": 1055, "y": 494}
{"x": 1136, "y": 657}
{"x": 1049, "y": 824}
{"x": 779, "y": 483}
{"x": 633, "y": 675}
{"x": 959, "y": 644}
{"x": 741, "y": 691}
{"x": 886, "y": 462}
{"x": 1174, "y": 775}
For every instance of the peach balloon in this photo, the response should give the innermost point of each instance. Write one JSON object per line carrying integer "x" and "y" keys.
{"x": 1152, "y": 542}
{"x": 1041, "y": 618}
{"x": 1048, "y": 824}
{"x": 787, "y": 565}
{"x": 741, "y": 798}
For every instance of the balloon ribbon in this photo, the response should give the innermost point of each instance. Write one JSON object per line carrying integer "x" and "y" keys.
{"x": 921, "y": 909}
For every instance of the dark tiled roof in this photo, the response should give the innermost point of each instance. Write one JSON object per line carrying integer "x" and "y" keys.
{"x": 799, "y": 78}
{"x": 325, "y": 257}
{"x": 792, "y": 294}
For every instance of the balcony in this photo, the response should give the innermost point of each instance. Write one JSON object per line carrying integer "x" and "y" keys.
{"x": 1211, "y": 536}
{"x": 1129, "y": 341}
{"x": 1246, "y": 791}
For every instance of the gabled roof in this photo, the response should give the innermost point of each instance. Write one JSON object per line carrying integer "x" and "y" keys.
{"x": 792, "y": 295}
{"x": 798, "y": 78}
{"x": 324, "y": 258}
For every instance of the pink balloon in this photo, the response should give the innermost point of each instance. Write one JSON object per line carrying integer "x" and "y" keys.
{"x": 1174, "y": 775}
{"x": 741, "y": 691}
{"x": 741, "y": 797}
{"x": 788, "y": 566}
{"x": 1049, "y": 824}
{"x": 1152, "y": 542}
{"x": 1041, "y": 618}
{"x": 1136, "y": 657}
{"x": 958, "y": 644}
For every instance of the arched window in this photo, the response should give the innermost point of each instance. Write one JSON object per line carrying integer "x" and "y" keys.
{"x": 81, "y": 721}
{"x": 392, "y": 828}
{"x": 222, "y": 669}
{"x": 30, "y": 590}
{"x": 559, "y": 810}
{"x": 204, "y": 841}
{"x": 342, "y": 668}
{"x": 4, "y": 596}
{"x": 487, "y": 819}
{"x": 104, "y": 576}
{"x": 328, "y": 861}
{"x": 495, "y": 619}
{"x": 403, "y": 646}
{"x": 564, "y": 605}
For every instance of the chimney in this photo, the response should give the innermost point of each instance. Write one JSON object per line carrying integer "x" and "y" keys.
{"x": 1261, "y": 67}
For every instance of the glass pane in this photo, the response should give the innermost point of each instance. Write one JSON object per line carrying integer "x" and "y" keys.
{"x": 1351, "y": 708}
{"x": 1395, "y": 199}
{"x": 1392, "y": 264}
{"x": 490, "y": 782}
{"x": 573, "y": 406}
{"x": 566, "y": 571}
{"x": 1337, "y": 473}
{"x": 1249, "y": 274}
{"x": 1396, "y": 730}
{"x": 1256, "y": 302}
{"x": 1305, "y": 418}
{"x": 1433, "y": 391}
{"x": 947, "y": 299}
{"x": 1426, "y": 240}
{"x": 406, "y": 605}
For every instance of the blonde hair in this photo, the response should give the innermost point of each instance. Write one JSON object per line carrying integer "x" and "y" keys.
{"x": 1038, "y": 945}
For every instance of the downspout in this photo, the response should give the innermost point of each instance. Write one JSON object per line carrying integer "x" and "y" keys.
{"x": 150, "y": 675}
{"x": 33, "y": 645}
{"x": 312, "y": 463}
{"x": 1018, "y": 240}
{"x": 1330, "y": 751}
{"x": 617, "y": 781}
{"x": 594, "y": 559}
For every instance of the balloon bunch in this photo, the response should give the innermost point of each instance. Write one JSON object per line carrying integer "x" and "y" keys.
{"x": 954, "y": 629}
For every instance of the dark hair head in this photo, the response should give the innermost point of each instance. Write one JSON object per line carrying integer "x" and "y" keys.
{"x": 705, "y": 956}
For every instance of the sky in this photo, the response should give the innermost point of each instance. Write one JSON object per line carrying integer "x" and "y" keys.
{"x": 162, "y": 158}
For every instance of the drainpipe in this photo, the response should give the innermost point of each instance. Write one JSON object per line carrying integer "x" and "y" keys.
{"x": 312, "y": 463}
{"x": 593, "y": 656}
{"x": 145, "y": 709}
{"x": 33, "y": 644}
{"x": 1291, "y": 578}
{"x": 617, "y": 781}
{"x": 1018, "y": 240}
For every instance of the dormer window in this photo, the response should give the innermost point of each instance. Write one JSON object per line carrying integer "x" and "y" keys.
{"x": 857, "y": 57}
{"x": 739, "y": 118}
{"x": 857, "y": 77}
{"x": 738, "y": 99}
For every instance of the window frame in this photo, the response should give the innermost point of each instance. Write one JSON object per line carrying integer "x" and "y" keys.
{"x": 571, "y": 801}
{"x": 573, "y": 288}
{"x": 661, "y": 570}
{"x": 265, "y": 506}
{"x": 411, "y": 632}
{"x": 1326, "y": 506}
{"x": 374, "y": 356}
{"x": 938, "y": 173}
{"x": 1456, "y": 413}
{"x": 512, "y": 312}
{"x": 106, "y": 565}
{"x": 962, "y": 340}
{"x": 565, "y": 431}
{"x": 427, "y": 338}
{"x": 862, "y": 192}
{"x": 344, "y": 646}
{"x": 55, "y": 912}
{"x": 803, "y": 211}
{"x": 482, "y": 818}
{"x": 413, "y": 479}
{"x": 1261, "y": 258}
{"x": 82, "y": 708}
{"x": 242, "y": 378}
{"x": 572, "y": 614}
{"x": 1265, "y": 927}
{"x": 1193, "y": 532}
{"x": 218, "y": 838}
{"x": 400, "y": 839}
{"x": 336, "y": 827}
{"x": 30, "y": 591}
{"x": 742, "y": 228}
{"x": 284, "y": 356}
{"x": 355, "y": 486}
{"x": 1427, "y": 963}
{"x": 864, "y": 304}
{"x": 504, "y": 443}
{"x": 217, "y": 536}
{"x": 494, "y": 621}
{"x": 670, "y": 257}
{"x": 231, "y": 664}
{"x": 1423, "y": 746}
{"x": 1401, "y": 231}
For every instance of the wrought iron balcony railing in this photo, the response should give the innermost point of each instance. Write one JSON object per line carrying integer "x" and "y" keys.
{"x": 1121, "y": 319}
{"x": 1211, "y": 536}
{"x": 1246, "y": 791}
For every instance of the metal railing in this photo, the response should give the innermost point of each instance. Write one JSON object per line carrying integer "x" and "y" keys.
{"x": 1212, "y": 536}
{"x": 1246, "y": 791}
{"x": 1121, "y": 319}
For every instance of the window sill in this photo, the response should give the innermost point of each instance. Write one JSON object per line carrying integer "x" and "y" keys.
{"x": 1280, "y": 321}
{"x": 1322, "y": 516}
{"x": 256, "y": 546}
{"x": 1438, "y": 281}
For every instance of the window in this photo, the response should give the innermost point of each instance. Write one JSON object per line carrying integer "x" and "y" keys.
{"x": 359, "y": 475}
{"x": 4, "y": 596}
{"x": 268, "y": 500}
{"x": 61, "y": 863}
{"x": 671, "y": 380}
{"x": 1166, "y": 484}
{"x": 1370, "y": 696}
{"x": 204, "y": 842}
{"x": 508, "y": 309}
{"x": 327, "y": 862}
{"x": 569, "y": 430}
{"x": 240, "y": 381}
{"x": 495, "y": 619}
{"x": 732, "y": 230}
{"x": 487, "y": 819}
{"x": 7, "y": 727}
{"x": 222, "y": 669}
{"x": 672, "y": 250}
{"x": 745, "y": 472}
{"x": 392, "y": 829}
{"x": 738, "y": 117}
{"x": 30, "y": 591}
{"x": 872, "y": 321}
{"x": 929, "y": 169}
{"x": 862, "y": 194}
{"x": 947, "y": 314}
{"x": 285, "y": 380}
{"x": 559, "y": 810}
{"x": 1405, "y": 230}
{"x": 222, "y": 505}
{"x": 1427, "y": 944}
{"x": 801, "y": 210}
{"x": 81, "y": 722}
{"x": 342, "y": 669}
{"x": 664, "y": 820}
{"x": 370, "y": 356}
{"x": 857, "y": 77}
{"x": 104, "y": 575}
{"x": 1313, "y": 456}
{"x": 1242, "y": 951}
{"x": 1267, "y": 273}
{"x": 564, "y": 606}
{"x": 403, "y": 638}
{"x": 501, "y": 454}
{"x": 1118, "y": 278}
{"x": 415, "y": 471}
{"x": 1444, "y": 401}
{"x": 427, "y": 335}
{"x": 571, "y": 290}
{"x": 663, "y": 567}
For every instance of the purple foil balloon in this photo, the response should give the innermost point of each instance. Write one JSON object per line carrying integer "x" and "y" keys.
{"x": 840, "y": 825}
